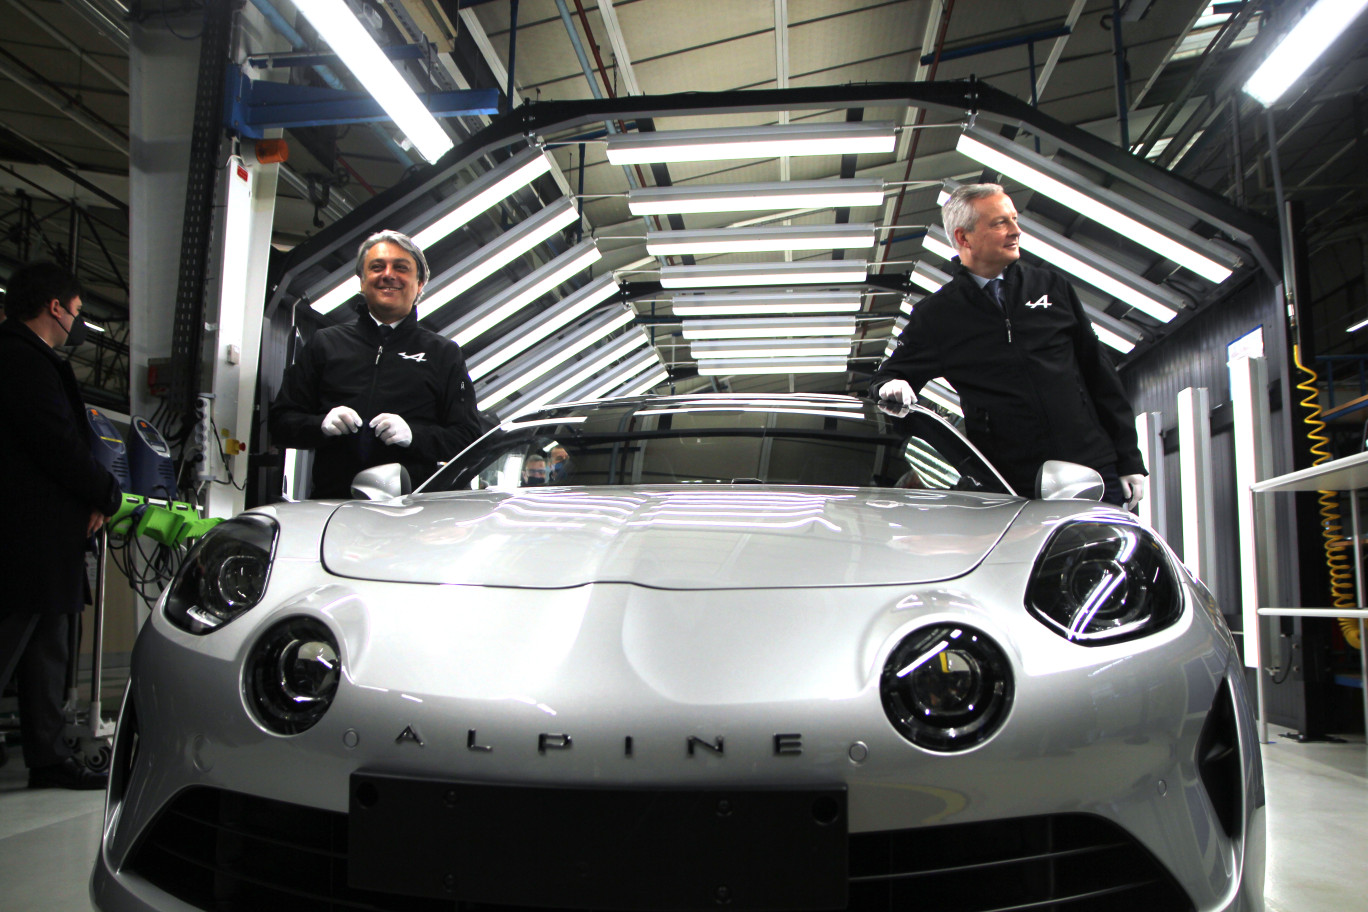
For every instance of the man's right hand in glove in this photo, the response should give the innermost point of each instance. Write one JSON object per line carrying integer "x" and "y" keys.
{"x": 899, "y": 391}
{"x": 341, "y": 420}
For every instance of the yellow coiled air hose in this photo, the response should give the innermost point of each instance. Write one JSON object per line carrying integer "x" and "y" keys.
{"x": 1337, "y": 550}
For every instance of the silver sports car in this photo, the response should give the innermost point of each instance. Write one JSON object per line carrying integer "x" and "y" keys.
{"x": 703, "y": 652}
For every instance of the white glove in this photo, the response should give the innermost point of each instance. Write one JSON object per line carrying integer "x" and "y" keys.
{"x": 1133, "y": 486}
{"x": 392, "y": 430}
{"x": 899, "y": 391}
{"x": 341, "y": 420}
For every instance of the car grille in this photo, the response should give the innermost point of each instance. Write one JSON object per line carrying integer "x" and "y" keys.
{"x": 222, "y": 850}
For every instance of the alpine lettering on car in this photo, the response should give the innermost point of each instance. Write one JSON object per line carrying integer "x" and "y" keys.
{"x": 785, "y": 744}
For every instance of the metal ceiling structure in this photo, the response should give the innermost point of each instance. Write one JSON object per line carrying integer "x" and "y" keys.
{"x": 1044, "y": 75}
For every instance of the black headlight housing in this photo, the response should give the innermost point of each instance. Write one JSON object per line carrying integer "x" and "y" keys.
{"x": 224, "y": 575}
{"x": 947, "y": 687}
{"x": 1104, "y": 582}
{"x": 291, "y": 677}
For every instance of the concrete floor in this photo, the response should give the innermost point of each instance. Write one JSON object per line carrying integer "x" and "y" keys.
{"x": 1317, "y": 828}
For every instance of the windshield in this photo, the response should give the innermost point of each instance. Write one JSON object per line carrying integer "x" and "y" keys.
{"x": 833, "y": 440}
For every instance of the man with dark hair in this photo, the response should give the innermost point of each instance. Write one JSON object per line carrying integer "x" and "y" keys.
{"x": 56, "y": 495}
{"x": 1016, "y": 344}
{"x": 381, "y": 388}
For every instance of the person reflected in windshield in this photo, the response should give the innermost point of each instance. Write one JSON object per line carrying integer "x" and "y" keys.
{"x": 534, "y": 471}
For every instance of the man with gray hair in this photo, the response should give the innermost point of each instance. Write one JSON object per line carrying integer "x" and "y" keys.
{"x": 1015, "y": 342}
{"x": 380, "y": 388}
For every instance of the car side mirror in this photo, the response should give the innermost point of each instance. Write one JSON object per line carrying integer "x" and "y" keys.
{"x": 1059, "y": 480}
{"x": 381, "y": 482}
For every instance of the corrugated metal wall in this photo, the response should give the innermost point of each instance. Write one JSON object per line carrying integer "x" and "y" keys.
{"x": 1196, "y": 356}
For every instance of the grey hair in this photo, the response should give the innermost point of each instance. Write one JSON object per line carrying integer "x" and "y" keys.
{"x": 403, "y": 241}
{"x": 959, "y": 212}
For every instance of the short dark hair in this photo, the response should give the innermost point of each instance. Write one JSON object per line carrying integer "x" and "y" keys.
{"x": 31, "y": 287}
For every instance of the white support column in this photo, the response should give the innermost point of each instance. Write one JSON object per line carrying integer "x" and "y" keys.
{"x": 1194, "y": 459}
{"x": 1153, "y": 510}
{"x": 1253, "y": 462}
{"x": 233, "y": 348}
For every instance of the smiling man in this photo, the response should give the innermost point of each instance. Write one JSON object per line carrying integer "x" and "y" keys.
{"x": 380, "y": 388}
{"x": 1015, "y": 342}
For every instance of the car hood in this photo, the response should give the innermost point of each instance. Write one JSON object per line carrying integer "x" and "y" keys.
{"x": 668, "y": 537}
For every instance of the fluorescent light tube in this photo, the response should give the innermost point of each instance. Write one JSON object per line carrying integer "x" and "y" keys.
{"x": 514, "y": 298}
{"x": 807, "y": 272}
{"x": 694, "y": 330}
{"x": 751, "y": 142}
{"x": 755, "y": 240}
{"x": 549, "y": 321}
{"x": 345, "y": 34}
{"x": 498, "y": 253}
{"x": 928, "y": 277}
{"x": 1096, "y": 203}
{"x": 719, "y": 366}
{"x": 771, "y": 348}
{"x": 817, "y": 194}
{"x": 640, "y": 384}
{"x": 541, "y": 361}
{"x": 934, "y": 242}
{"x": 1301, "y": 47}
{"x": 485, "y": 191}
{"x": 591, "y": 364}
{"x": 802, "y": 302}
{"x": 645, "y": 362}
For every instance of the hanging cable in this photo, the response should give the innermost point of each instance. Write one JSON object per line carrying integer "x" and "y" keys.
{"x": 1336, "y": 547}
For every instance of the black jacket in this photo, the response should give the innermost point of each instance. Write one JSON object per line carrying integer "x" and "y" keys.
{"x": 49, "y": 479}
{"x": 1034, "y": 382}
{"x": 418, "y": 375}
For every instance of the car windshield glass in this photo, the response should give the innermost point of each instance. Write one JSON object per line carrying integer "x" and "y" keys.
{"x": 839, "y": 441}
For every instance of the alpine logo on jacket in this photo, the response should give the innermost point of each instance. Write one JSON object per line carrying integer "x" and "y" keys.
{"x": 1042, "y": 301}
{"x": 416, "y": 356}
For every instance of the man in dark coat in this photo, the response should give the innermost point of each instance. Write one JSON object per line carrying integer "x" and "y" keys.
{"x": 55, "y": 495}
{"x": 1015, "y": 342}
{"x": 381, "y": 388}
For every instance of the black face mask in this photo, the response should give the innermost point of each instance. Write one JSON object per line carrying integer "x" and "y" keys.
{"x": 77, "y": 333}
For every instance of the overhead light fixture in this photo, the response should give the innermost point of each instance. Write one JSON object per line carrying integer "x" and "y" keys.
{"x": 1357, "y": 326}
{"x": 805, "y": 272}
{"x": 514, "y": 298}
{"x": 484, "y": 192}
{"x": 488, "y": 189}
{"x": 928, "y": 277}
{"x": 636, "y": 368}
{"x": 755, "y": 240}
{"x": 751, "y": 142}
{"x": 934, "y": 242}
{"x": 1099, "y": 204}
{"x": 722, "y": 366}
{"x": 541, "y": 361}
{"x": 907, "y": 303}
{"x": 1096, "y": 270}
{"x": 815, "y": 194}
{"x": 498, "y": 253}
{"x": 640, "y": 384}
{"x": 819, "y": 347}
{"x": 1302, "y": 46}
{"x": 799, "y": 302}
{"x": 549, "y": 321}
{"x": 898, "y": 326}
{"x": 572, "y": 375}
{"x": 763, "y": 328}
{"x": 345, "y": 34}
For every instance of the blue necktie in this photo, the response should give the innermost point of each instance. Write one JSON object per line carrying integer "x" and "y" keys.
{"x": 994, "y": 289}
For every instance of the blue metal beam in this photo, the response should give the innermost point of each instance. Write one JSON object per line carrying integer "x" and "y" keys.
{"x": 253, "y": 106}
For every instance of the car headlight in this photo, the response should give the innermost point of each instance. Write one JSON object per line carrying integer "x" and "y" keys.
{"x": 224, "y": 574}
{"x": 291, "y": 676}
{"x": 1099, "y": 582}
{"x": 946, "y": 687}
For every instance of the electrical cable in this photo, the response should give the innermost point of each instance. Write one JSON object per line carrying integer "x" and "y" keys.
{"x": 1336, "y": 546}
